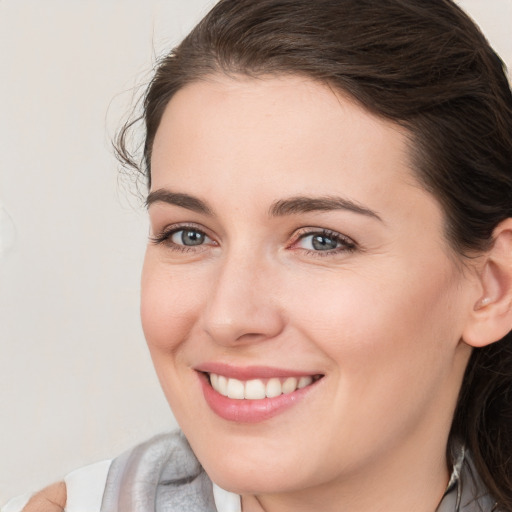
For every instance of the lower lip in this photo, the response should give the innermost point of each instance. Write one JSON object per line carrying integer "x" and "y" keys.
{"x": 249, "y": 411}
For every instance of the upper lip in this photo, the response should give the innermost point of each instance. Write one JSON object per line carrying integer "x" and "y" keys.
{"x": 250, "y": 372}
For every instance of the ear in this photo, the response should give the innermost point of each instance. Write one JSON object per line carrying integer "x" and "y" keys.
{"x": 491, "y": 318}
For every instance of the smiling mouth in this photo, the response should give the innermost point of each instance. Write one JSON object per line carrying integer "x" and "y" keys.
{"x": 259, "y": 389}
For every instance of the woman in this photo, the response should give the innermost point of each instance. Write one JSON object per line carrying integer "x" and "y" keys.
{"x": 327, "y": 290}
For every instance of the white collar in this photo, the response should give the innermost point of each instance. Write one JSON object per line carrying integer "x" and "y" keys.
{"x": 226, "y": 501}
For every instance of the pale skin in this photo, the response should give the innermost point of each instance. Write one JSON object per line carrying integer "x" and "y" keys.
{"x": 365, "y": 292}
{"x": 50, "y": 499}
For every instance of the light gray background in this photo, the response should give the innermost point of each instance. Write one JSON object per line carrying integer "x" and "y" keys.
{"x": 76, "y": 383}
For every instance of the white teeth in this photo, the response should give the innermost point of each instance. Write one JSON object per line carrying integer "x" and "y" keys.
{"x": 254, "y": 389}
{"x": 222, "y": 385}
{"x": 304, "y": 381}
{"x": 257, "y": 389}
{"x": 235, "y": 389}
{"x": 273, "y": 388}
{"x": 290, "y": 385}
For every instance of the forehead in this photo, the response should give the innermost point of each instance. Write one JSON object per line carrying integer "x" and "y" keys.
{"x": 273, "y": 123}
{"x": 274, "y": 101}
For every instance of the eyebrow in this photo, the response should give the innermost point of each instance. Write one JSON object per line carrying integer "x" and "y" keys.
{"x": 290, "y": 206}
{"x": 184, "y": 200}
{"x": 304, "y": 204}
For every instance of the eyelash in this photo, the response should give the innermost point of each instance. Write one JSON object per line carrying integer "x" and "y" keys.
{"x": 347, "y": 245}
{"x": 164, "y": 238}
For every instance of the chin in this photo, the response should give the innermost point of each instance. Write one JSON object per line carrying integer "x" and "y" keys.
{"x": 245, "y": 479}
{"x": 255, "y": 469}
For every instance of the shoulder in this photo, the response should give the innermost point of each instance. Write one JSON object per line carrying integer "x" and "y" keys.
{"x": 161, "y": 470}
{"x": 84, "y": 488}
{"x": 466, "y": 491}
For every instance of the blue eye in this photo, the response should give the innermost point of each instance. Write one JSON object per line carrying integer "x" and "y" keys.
{"x": 325, "y": 241}
{"x": 184, "y": 238}
{"x": 188, "y": 237}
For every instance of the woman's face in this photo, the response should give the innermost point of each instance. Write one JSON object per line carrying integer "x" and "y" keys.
{"x": 294, "y": 255}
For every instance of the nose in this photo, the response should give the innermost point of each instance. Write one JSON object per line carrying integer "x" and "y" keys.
{"x": 242, "y": 306}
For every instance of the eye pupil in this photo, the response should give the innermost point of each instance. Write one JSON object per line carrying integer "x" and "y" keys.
{"x": 190, "y": 237}
{"x": 323, "y": 243}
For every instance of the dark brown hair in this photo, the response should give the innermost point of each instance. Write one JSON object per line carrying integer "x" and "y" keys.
{"x": 424, "y": 65}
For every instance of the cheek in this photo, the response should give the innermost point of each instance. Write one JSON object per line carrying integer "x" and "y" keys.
{"x": 395, "y": 327}
{"x": 390, "y": 345}
{"x": 384, "y": 296}
{"x": 170, "y": 303}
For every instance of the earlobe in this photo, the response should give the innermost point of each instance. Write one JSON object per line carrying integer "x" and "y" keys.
{"x": 491, "y": 318}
